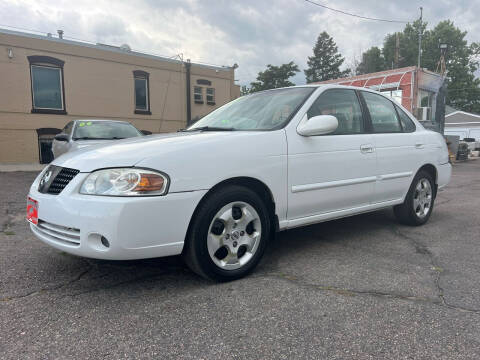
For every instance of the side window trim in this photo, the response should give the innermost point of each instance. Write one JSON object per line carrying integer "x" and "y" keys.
{"x": 367, "y": 121}
{"x": 398, "y": 118}
{"x": 359, "y": 104}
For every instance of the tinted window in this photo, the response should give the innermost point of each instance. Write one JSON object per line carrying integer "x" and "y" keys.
{"x": 344, "y": 105}
{"x": 104, "y": 130}
{"x": 47, "y": 87}
{"x": 382, "y": 113}
{"x": 407, "y": 124}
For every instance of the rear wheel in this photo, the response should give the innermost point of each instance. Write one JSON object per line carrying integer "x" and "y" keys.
{"x": 418, "y": 205}
{"x": 228, "y": 234}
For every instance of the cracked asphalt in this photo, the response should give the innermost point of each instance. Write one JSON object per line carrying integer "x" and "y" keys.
{"x": 359, "y": 288}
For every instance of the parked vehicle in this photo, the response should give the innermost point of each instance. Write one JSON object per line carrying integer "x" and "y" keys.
{"x": 216, "y": 192}
{"x": 78, "y": 134}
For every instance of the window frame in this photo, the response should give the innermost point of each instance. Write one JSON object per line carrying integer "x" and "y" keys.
{"x": 369, "y": 117}
{"x": 366, "y": 129}
{"x": 212, "y": 102}
{"x": 195, "y": 87}
{"x": 52, "y": 63}
{"x": 141, "y": 75}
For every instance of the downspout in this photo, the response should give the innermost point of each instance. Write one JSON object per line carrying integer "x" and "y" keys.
{"x": 188, "y": 65}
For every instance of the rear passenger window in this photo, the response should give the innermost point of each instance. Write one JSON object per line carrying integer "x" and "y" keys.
{"x": 382, "y": 113}
{"x": 407, "y": 124}
{"x": 344, "y": 105}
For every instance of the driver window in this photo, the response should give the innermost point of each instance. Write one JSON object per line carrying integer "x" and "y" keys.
{"x": 344, "y": 105}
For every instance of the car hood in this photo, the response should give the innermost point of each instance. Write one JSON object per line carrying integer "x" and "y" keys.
{"x": 130, "y": 152}
{"x": 79, "y": 144}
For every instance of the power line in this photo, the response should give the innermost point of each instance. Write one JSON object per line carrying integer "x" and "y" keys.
{"x": 355, "y": 15}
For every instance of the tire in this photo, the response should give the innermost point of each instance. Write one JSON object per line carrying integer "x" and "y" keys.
{"x": 418, "y": 205}
{"x": 228, "y": 234}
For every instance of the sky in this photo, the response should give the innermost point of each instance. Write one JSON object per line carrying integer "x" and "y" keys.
{"x": 223, "y": 32}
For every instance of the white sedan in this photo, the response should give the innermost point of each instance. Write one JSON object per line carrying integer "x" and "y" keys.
{"x": 217, "y": 191}
{"x": 78, "y": 134}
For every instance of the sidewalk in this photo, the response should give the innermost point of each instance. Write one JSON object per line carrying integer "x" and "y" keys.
{"x": 21, "y": 167}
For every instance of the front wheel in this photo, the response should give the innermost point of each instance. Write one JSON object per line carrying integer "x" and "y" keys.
{"x": 228, "y": 234}
{"x": 418, "y": 205}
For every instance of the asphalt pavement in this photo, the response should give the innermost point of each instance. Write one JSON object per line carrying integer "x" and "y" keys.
{"x": 364, "y": 287}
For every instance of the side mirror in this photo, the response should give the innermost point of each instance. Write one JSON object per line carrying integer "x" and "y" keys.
{"x": 317, "y": 125}
{"x": 146, "y": 132}
{"x": 61, "y": 137}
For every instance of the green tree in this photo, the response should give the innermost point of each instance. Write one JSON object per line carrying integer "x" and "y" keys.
{"x": 408, "y": 45}
{"x": 463, "y": 88}
{"x": 244, "y": 90}
{"x": 326, "y": 61}
{"x": 372, "y": 61}
{"x": 463, "y": 91}
{"x": 275, "y": 77}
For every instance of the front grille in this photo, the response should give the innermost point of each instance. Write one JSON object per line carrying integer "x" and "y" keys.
{"x": 61, "y": 180}
{"x": 55, "y": 179}
{"x": 63, "y": 234}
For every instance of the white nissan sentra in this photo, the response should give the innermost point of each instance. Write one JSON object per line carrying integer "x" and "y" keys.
{"x": 217, "y": 191}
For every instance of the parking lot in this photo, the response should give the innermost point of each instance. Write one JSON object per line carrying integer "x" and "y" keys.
{"x": 363, "y": 287}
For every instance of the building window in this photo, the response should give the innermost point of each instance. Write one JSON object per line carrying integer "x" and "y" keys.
{"x": 425, "y": 105}
{"x": 210, "y": 96}
{"x": 48, "y": 94}
{"x": 198, "y": 94}
{"x": 142, "y": 93}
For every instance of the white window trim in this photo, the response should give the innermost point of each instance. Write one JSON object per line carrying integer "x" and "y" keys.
{"x": 198, "y": 93}
{"x": 61, "y": 86}
{"x": 212, "y": 95}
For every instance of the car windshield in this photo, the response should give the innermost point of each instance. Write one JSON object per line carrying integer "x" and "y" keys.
{"x": 265, "y": 110}
{"x": 104, "y": 130}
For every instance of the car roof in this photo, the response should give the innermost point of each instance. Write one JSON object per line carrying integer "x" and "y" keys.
{"x": 327, "y": 86}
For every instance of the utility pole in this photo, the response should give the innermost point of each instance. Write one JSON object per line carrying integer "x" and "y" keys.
{"x": 420, "y": 38}
{"x": 397, "y": 49}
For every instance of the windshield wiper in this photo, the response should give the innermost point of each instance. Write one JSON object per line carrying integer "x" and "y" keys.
{"x": 208, "y": 128}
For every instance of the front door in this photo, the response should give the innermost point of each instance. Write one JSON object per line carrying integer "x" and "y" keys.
{"x": 334, "y": 172}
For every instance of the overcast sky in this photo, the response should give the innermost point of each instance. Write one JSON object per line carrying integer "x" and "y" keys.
{"x": 252, "y": 33}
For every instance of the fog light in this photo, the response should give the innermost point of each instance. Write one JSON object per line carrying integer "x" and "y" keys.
{"x": 105, "y": 242}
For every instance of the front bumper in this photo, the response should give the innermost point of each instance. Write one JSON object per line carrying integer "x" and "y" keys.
{"x": 135, "y": 227}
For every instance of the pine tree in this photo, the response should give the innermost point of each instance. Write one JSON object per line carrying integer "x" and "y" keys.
{"x": 326, "y": 61}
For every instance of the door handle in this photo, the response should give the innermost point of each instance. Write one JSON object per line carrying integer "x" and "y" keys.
{"x": 367, "y": 148}
{"x": 419, "y": 145}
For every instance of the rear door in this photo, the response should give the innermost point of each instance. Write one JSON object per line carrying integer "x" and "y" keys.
{"x": 398, "y": 146}
{"x": 333, "y": 172}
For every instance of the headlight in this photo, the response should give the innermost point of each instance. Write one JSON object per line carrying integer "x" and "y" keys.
{"x": 125, "y": 182}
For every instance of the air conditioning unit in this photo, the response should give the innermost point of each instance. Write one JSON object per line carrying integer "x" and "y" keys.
{"x": 424, "y": 113}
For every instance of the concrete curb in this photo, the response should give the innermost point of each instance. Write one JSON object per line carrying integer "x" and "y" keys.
{"x": 21, "y": 167}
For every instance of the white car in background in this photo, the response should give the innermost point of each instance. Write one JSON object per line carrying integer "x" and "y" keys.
{"x": 78, "y": 134}
{"x": 216, "y": 192}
